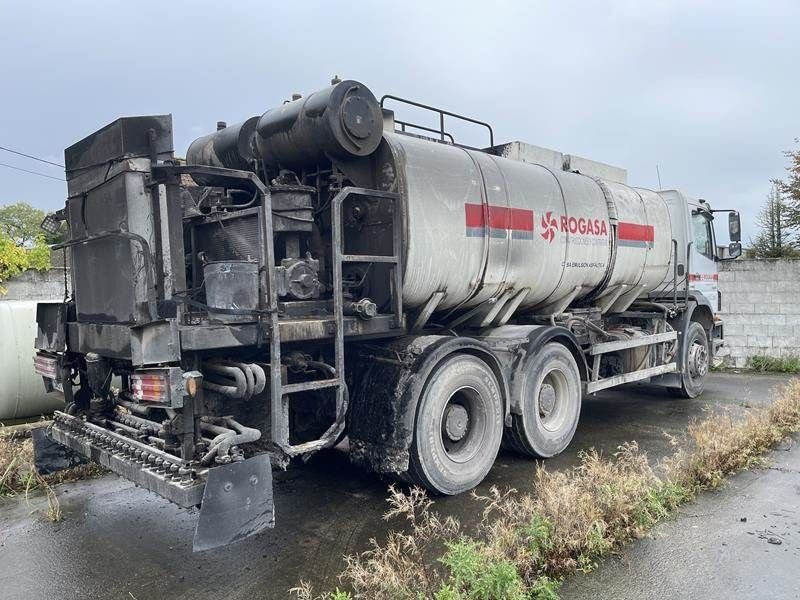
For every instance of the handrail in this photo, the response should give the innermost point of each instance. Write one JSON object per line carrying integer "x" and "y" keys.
{"x": 442, "y": 113}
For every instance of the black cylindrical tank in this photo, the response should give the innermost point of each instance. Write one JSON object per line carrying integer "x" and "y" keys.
{"x": 341, "y": 121}
{"x": 230, "y": 147}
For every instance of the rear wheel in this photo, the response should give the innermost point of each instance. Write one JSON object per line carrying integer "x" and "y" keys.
{"x": 550, "y": 395}
{"x": 458, "y": 426}
{"x": 696, "y": 361}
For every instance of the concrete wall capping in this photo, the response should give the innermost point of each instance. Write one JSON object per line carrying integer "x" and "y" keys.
{"x": 37, "y": 285}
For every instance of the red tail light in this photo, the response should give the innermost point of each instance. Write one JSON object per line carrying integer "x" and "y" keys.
{"x": 150, "y": 386}
{"x": 45, "y": 366}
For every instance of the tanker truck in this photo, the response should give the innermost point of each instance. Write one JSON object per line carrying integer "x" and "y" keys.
{"x": 328, "y": 269}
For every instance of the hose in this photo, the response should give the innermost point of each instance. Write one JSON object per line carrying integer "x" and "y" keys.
{"x": 226, "y": 437}
{"x": 655, "y": 305}
{"x": 249, "y": 379}
{"x": 238, "y": 390}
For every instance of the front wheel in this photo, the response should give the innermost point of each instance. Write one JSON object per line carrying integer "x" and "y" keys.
{"x": 696, "y": 361}
{"x": 458, "y": 426}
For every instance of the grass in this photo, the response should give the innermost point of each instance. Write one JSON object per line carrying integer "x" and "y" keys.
{"x": 527, "y": 543}
{"x": 18, "y": 477}
{"x": 769, "y": 364}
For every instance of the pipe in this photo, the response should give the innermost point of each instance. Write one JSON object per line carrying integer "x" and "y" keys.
{"x": 239, "y": 390}
{"x": 323, "y": 367}
{"x": 235, "y": 434}
{"x": 655, "y": 305}
{"x": 139, "y": 422}
{"x": 126, "y": 428}
{"x": 135, "y": 408}
{"x": 261, "y": 378}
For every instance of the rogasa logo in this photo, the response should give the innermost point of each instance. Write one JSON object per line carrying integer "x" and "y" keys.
{"x": 549, "y": 226}
{"x": 574, "y": 225}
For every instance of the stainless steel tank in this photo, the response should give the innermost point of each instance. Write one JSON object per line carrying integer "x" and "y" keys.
{"x": 22, "y": 392}
{"x": 479, "y": 226}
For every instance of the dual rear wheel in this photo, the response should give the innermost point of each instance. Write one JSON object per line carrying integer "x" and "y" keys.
{"x": 460, "y": 415}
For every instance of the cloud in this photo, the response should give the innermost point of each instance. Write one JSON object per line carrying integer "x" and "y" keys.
{"x": 706, "y": 90}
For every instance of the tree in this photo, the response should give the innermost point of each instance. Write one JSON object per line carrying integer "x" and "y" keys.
{"x": 777, "y": 237}
{"x": 791, "y": 187}
{"x": 20, "y": 223}
{"x": 23, "y": 245}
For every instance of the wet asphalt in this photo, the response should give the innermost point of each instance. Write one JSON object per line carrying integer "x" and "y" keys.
{"x": 740, "y": 542}
{"x": 118, "y": 541}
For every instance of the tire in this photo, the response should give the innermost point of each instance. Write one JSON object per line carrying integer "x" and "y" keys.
{"x": 458, "y": 426}
{"x": 696, "y": 360}
{"x": 550, "y": 397}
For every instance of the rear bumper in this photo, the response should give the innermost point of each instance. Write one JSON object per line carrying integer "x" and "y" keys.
{"x": 235, "y": 499}
{"x": 148, "y": 467}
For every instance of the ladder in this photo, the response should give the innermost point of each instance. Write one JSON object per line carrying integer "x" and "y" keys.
{"x": 280, "y": 392}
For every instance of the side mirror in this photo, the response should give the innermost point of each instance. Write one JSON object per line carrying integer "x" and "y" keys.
{"x": 735, "y": 229}
{"x": 735, "y": 248}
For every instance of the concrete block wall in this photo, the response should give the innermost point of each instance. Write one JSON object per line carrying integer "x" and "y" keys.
{"x": 37, "y": 285}
{"x": 760, "y": 309}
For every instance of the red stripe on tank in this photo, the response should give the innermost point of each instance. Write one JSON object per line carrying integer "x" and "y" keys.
{"x": 474, "y": 215}
{"x": 499, "y": 217}
{"x": 635, "y": 233}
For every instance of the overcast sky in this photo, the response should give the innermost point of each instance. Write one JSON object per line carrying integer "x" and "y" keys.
{"x": 709, "y": 91}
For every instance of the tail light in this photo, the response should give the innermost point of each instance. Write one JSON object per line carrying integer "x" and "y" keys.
{"x": 150, "y": 386}
{"x": 46, "y": 366}
{"x": 163, "y": 384}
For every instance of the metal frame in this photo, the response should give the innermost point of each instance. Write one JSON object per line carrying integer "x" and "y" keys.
{"x": 442, "y": 113}
{"x": 595, "y": 384}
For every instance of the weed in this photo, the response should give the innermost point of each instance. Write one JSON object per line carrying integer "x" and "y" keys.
{"x": 527, "y": 543}
{"x": 18, "y": 475}
{"x": 770, "y": 364}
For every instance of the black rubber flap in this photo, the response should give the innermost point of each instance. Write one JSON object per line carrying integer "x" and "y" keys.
{"x": 237, "y": 503}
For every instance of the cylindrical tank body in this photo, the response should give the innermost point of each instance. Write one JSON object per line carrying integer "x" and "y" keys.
{"x": 231, "y": 147}
{"x": 22, "y": 392}
{"x": 478, "y": 225}
{"x": 342, "y": 121}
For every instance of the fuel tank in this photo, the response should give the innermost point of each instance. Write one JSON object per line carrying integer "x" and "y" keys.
{"x": 480, "y": 227}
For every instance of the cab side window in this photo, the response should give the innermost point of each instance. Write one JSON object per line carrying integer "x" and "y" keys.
{"x": 703, "y": 241}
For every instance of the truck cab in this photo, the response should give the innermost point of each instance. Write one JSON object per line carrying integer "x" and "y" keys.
{"x": 695, "y": 229}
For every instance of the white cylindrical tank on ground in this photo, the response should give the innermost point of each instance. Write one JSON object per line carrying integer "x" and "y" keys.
{"x": 22, "y": 392}
{"x": 478, "y": 225}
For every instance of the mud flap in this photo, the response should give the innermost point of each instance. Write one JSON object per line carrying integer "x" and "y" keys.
{"x": 51, "y": 457}
{"x": 237, "y": 503}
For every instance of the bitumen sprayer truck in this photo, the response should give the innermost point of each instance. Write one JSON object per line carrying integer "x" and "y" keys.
{"x": 328, "y": 269}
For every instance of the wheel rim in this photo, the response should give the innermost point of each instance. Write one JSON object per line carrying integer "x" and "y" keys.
{"x": 463, "y": 423}
{"x": 552, "y": 400}
{"x": 698, "y": 359}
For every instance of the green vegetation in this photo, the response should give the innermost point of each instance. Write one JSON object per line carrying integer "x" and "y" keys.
{"x": 16, "y": 259}
{"x": 777, "y": 237}
{"x": 23, "y": 245}
{"x": 769, "y": 364}
{"x": 527, "y": 543}
{"x": 18, "y": 477}
{"x": 20, "y": 223}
